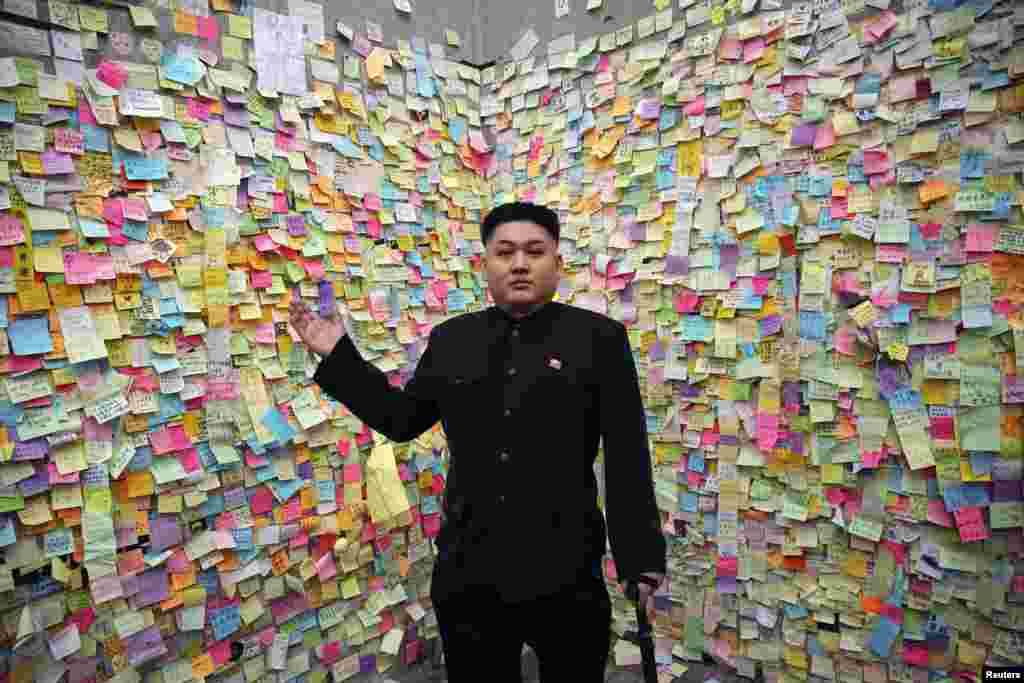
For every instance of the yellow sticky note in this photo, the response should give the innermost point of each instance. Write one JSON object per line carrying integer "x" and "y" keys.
{"x": 142, "y": 17}
{"x": 898, "y": 351}
{"x": 350, "y": 587}
{"x": 239, "y": 26}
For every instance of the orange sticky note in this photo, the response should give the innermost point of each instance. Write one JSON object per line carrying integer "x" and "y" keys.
{"x": 932, "y": 190}
{"x": 202, "y": 666}
{"x": 186, "y": 23}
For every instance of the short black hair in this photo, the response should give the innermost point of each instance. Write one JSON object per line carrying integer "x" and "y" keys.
{"x": 520, "y": 211}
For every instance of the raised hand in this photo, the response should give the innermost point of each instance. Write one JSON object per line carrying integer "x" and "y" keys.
{"x": 319, "y": 334}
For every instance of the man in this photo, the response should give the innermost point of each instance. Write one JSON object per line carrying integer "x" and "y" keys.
{"x": 524, "y": 390}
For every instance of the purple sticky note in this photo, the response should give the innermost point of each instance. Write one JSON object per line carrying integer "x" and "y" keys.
{"x": 327, "y": 301}
{"x": 729, "y": 255}
{"x": 296, "y": 225}
{"x": 82, "y": 670}
{"x": 235, "y": 115}
{"x": 803, "y": 135}
{"x": 129, "y": 585}
{"x": 30, "y": 450}
{"x": 37, "y": 483}
{"x": 164, "y": 533}
{"x": 636, "y": 232}
{"x": 153, "y": 587}
{"x": 677, "y": 265}
{"x": 57, "y": 163}
{"x": 144, "y": 646}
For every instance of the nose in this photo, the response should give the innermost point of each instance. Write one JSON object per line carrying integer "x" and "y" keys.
{"x": 519, "y": 262}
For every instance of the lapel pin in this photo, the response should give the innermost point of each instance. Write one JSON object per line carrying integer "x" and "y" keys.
{"x": 555, "y": 363}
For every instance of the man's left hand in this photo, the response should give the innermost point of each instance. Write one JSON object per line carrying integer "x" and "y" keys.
{"x": 647, "y": 591}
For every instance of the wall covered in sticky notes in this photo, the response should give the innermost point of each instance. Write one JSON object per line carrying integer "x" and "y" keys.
{"x": 808, "y": 216}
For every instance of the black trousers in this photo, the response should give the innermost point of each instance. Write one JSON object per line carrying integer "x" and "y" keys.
{"x": 570, "y": 632}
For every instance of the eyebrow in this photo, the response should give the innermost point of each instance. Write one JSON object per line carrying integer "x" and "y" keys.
{"x": 511, "y": 243}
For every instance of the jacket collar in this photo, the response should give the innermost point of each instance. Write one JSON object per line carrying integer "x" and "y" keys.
{"x": 539, "y": 319}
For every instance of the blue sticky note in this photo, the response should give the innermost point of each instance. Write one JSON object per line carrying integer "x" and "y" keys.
{"x": 141, "y": 167}
{"x": 429, "y": 505}
{"x": 136, "y": 230}
{"x": 812, "y": 325}
{"x": 283, "y": 490}
{"x": 900, "y": 313}
{"x": 343, "y": 145}
{"x": 954, "y": 499}
{"x": 6, "y": 112}
{"x": 243, "y": 539}
{"x": 883, "y": 636}
{"x": 7, "y": 536}
{"x": 972, "y": 163}
{"x": 327, "y": 491}
{"x": 225, "y": 621}
{"x": 181, "y": 69}
{"x": 457, "y": 129}
{"x": 30, "y": 335}
{"x": 982, "y": 462}
{"x": 97, "y": 139}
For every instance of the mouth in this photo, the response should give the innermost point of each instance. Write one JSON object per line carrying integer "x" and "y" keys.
{"x": 520, "y": 284}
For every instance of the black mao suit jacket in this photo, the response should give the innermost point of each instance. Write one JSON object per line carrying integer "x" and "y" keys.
{"x": 523, "y": 404}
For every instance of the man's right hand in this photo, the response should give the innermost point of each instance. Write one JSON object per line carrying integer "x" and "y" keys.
{"x": 319, "y": 334}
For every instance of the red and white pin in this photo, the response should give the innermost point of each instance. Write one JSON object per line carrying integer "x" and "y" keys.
{"x": 554, "y": 363}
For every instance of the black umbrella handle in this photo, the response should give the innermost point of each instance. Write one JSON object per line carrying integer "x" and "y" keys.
{"x": 645, "y": 636}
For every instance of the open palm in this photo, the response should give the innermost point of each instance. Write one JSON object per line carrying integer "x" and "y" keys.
{"x": 319, "y": 334}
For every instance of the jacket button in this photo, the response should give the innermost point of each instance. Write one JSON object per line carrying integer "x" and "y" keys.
{"x": 508, "y": 412}
{"x": 511, "y": 371}
{"x": 504, "y": 457}
{"x": 501, "y": 499}
{"x": 515, "y": 332}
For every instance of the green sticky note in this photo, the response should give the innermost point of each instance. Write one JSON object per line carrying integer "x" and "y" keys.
{"x": 694, "y": 633}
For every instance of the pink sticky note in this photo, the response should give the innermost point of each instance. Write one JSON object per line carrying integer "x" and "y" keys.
{"x": 981, "y": 237}
{"x": 78, "y": 268}
{"x": 329, "y": 653}
{"x": 265, "y": 333}
{"x": 208, "y": 28}
{"x": 12, "y": 231}
{"x": 876, "y": 162}
{"x": 85, "y": 114}
{"x": 262, "y": 500}
{"x": 261, "y": 279}
{"x": 824, "y": 137}
{"x": 353, "y": 473}
{"x": 315, "y": 269}
{"x": 189, "y": 459}
{"x": 135, "y": 209}
{"x": 264, "y": 243}
{"x": 199, "y": 108}
{"x": 730, "y": 48}
{"x": 971, "y": 524}
{"x": 767, "y": 430}
{"x": 431, "y": 524}
{"x": 915, "y": 654}
{"x": 112, "y": 74}
{"x": 56, "y": 163}
{"x": 753, "y": 49}
{"x": 937, "y": 514}
{"x": 695, "y": 108}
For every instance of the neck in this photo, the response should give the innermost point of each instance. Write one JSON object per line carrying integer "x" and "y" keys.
{"x": 521, "y": 311}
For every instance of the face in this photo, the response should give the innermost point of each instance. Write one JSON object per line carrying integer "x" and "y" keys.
{"x": 523, "y": 266}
